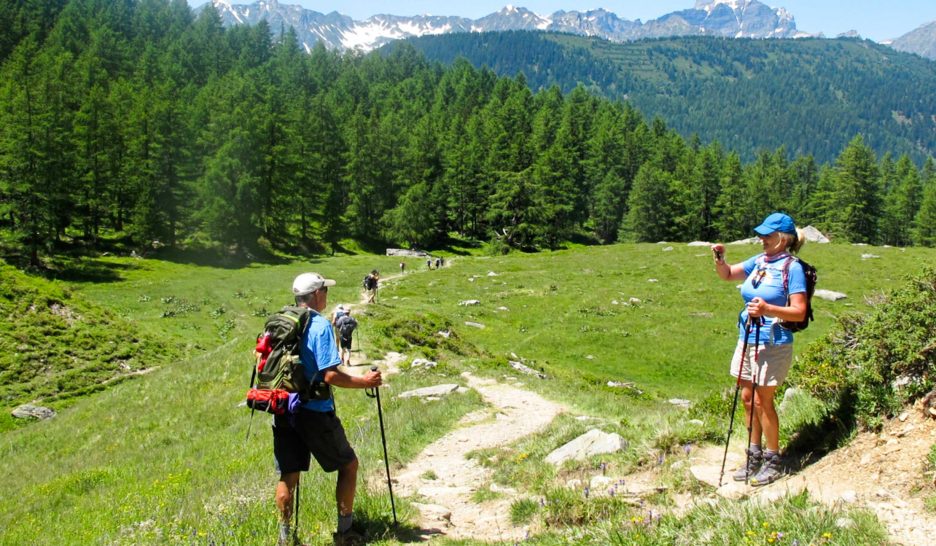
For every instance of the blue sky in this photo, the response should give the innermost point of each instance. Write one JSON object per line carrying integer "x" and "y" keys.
{"x": 875, "y": 19}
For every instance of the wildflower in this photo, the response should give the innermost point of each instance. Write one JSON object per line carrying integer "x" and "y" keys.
{"x": 827, "y": 535}
{"x": 751, "y": 533}
{"x": 687, "y": 448}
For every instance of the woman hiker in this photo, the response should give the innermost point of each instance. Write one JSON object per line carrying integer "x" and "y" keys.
{"x": 769, "y": 345}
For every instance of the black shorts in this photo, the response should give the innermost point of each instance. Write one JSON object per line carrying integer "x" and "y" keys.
{"x": 313, "y": 432}
{"x": 344, "y": 343}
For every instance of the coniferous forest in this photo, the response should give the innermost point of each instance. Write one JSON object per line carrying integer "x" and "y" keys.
{"x": 140, "y": 121}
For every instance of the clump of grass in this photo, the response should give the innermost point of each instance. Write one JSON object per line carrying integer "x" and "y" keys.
{"x": 930, "y": 477}
{"x": 522, "y": 511}
{"x": 791, "y": 520}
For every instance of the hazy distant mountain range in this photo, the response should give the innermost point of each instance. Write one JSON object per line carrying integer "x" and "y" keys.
{"x": 728, "y": 18}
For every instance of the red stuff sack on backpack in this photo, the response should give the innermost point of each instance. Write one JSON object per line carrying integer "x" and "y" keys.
{"x": 276, "y": 401}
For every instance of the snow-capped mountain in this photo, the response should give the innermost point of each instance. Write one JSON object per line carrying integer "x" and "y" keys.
{"x": 729, "y": 18}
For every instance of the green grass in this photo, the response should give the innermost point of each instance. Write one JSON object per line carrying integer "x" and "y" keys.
{"x": 162, "y": 458}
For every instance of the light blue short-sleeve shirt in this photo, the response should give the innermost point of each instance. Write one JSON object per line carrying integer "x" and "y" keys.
{"x": 765, "y": 280}
{"x": 318, "y": 353}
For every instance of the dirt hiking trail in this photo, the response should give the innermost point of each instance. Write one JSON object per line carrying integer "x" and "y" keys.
{"x": 444, "y": 479}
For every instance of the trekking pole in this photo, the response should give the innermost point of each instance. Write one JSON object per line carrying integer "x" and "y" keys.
{"x": 375, "y": 393}
{"x": 754, "y": 373}
{"x": 253, "y": 377}
{"x": 296, "y": 515}
{"x": 734, "y": 404}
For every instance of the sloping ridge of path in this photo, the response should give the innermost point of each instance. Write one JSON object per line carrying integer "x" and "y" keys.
{"x": 445, "y": 478}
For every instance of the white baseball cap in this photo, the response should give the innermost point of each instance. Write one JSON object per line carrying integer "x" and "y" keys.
{"x": 307, "y": 283}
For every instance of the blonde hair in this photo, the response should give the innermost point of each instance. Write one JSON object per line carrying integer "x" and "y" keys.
{"x": 793, "y": 242}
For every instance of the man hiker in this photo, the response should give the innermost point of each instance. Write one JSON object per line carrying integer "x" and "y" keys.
{"x": 315, "y": 430}
{"x": 402, "y": 268}
{"x": 345, "y": 324}
{"x": 370, "y": 285}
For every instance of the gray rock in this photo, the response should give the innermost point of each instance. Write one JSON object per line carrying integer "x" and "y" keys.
{"x": 523, "y": 368}
{"x": 474, "y": 324}
{"x": 29, "y": 411}
{"x": 593, "y": 442}
{"x": 423, "y": 363}
{"x": 680, "y": 402}
{"x": 829, "y": 295}
{"x": 403, "y": 252}
{"x": 813, "y": 235}
{"x": 699, "y": 243}
{"x": 466, "y": 303}
{"x": 426, "y": 392}
{"x": 869, "y": 256}
{"x": 667, "y": 249}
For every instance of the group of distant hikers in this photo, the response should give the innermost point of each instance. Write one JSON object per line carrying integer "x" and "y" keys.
{"x": 776, "y": 289}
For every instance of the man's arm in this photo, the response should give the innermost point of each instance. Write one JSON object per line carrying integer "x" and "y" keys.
{"x": 338, "y": 378}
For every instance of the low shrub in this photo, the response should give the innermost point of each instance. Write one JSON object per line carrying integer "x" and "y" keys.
{"x": 879, "y": 362}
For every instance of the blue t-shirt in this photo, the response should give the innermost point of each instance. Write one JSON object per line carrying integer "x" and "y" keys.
{"x": 765, "y": 280}
{"x": 318, "y": 352}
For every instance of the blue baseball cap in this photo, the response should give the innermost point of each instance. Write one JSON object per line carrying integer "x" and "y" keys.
{"x": 776, "y": 222}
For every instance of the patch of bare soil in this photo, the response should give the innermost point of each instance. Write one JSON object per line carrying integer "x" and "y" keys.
{"x": 884, "y": 472}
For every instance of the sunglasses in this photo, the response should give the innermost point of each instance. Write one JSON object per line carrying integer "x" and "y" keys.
{"x": 758, "y": 278}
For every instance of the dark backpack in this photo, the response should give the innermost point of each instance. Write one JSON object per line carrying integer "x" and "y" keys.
{"x": 812, "y": 277}
{"x": 278, "y": 382}
{"x": 346, "y": 325}
{"x": 370, "y": 282}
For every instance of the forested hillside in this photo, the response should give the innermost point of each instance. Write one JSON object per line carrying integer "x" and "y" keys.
{"x": 123, "y": 124}
{"x": 814, "y": 95}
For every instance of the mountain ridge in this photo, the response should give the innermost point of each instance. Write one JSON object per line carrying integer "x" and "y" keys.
{"x": 725, "y": 18}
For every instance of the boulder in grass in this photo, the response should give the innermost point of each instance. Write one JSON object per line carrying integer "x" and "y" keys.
{"x": 428, "y": 392}
{"x": 593, "y": 442}
{"x": 29, "y": 411}
{"x": 829, "y": 295}
{"x": 813, "y": 235}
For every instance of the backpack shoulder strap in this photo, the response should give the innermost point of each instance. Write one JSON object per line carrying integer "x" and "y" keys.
{"x": 786, "y": 273}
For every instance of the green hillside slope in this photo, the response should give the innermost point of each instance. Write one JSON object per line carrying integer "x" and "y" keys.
{"x": 809, "y": 95}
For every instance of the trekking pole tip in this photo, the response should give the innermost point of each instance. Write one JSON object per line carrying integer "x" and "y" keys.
{"x": 373, "y": 368}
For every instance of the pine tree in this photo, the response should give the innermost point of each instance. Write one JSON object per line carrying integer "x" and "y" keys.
{"x": 856, "y": 198}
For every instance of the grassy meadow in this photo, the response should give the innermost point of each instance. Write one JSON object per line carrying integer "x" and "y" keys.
{"x": 164, "y": 458}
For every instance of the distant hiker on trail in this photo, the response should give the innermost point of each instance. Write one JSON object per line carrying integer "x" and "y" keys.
{"x": 315, "y": 429}
{"x": 429, "y": 263}
{"x": 438, "y": 263}
{"x": 339, "y": 312}
{"x": 774, "y": 289}
{"x": 402, "y": 267}
{"x": 370, "y": 285}
{"x": 345, "y": 324}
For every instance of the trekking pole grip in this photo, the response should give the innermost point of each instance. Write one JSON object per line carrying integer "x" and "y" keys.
{"x": 372, "y": 392}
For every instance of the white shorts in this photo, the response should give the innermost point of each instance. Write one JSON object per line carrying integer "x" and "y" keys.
{"x": 773, "y": 363}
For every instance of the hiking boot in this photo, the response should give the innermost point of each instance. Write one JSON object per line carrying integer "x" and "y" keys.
{"x": 753, "y": 464}
{"x": 770, "y": 471}
{"x": 349, "y": 538}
